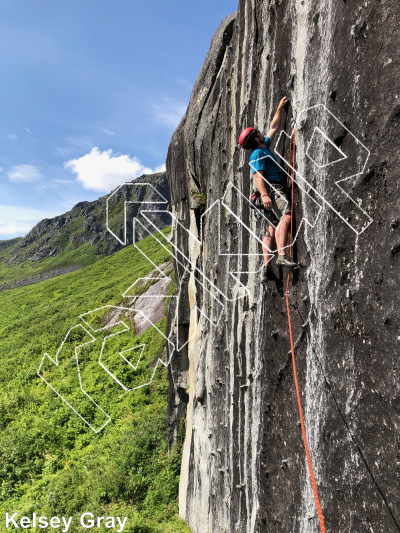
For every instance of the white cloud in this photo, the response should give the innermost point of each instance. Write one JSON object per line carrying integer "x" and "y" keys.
{"x": 80, "y": 143}
{"x": 103, "y": 171}
{"x": 73, "y": 145}
{"x": 161, "y": 168}
{"x": 170, "y": 113}
{"x": 53, "y": 184}
{"x": 24, "y": 173}
{"x": 28, "y": 130}
{"x": 12, "y": 137}
{"x": 18, "y": 229}
{"x": 107, "y": 131}
{"x": 18, "y": 220}
{"x": 63, "y": 181}
{"x": 63, "y": 151}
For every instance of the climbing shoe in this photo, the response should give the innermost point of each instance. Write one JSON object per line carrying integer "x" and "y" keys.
{"x": 285, "y": 262}
{"x": 267, "y": 275}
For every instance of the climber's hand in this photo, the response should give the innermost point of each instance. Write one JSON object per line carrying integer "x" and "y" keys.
{"x": 267, "y": 202}
{"x": 283, "y": 102}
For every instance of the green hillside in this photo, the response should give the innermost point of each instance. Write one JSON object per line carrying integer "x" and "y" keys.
{"x": 26, "y": 269}
{"x": 51, "y": 462}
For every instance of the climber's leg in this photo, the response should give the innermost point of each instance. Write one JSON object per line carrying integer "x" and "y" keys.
{"x": 281, "y": 208}
{"x": 282, "y": 233}
{"x": 268, "y": 242}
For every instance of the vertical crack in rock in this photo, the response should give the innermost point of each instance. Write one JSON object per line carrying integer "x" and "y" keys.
{"x": 318, "y": 48}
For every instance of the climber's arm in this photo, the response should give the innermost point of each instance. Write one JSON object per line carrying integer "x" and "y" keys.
{"x": 276, "y": 121}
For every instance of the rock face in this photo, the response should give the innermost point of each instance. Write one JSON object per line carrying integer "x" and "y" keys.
{"x": 244, "y": 466}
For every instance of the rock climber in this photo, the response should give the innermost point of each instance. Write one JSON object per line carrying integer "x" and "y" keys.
{"x": 271, "y": 185}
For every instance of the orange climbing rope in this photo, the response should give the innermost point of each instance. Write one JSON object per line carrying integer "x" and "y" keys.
{"x": 292, "y": 155}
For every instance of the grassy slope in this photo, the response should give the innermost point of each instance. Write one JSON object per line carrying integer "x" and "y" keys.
{"x": 50, "y": 461}
{"x": 82, "y": 256}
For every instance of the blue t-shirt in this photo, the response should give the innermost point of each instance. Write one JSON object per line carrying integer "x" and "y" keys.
{"x": 259, "y": 161}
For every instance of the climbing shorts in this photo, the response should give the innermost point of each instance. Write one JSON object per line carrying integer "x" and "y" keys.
{"x": 280, "y": 205}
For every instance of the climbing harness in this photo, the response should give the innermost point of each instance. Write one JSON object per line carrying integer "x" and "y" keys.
{"x": 256, "y": 203}
{"x": 292, "y": 158}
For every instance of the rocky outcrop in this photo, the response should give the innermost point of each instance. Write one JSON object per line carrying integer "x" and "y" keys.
{"x": 244, "y": 466}
{"x": 25, "y": 259}
{"x": 84, "y": 224}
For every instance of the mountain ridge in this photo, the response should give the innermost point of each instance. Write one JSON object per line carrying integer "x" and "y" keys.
{"x": 67, "y": 242}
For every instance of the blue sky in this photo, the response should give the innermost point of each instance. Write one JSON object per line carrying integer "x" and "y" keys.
{"x": 91, "y": 92}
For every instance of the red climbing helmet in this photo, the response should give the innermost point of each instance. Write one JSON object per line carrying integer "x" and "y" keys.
{"x": 246, "y": 136}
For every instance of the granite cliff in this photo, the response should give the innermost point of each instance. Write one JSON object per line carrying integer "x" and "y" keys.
{"x": 244, "y": 466}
